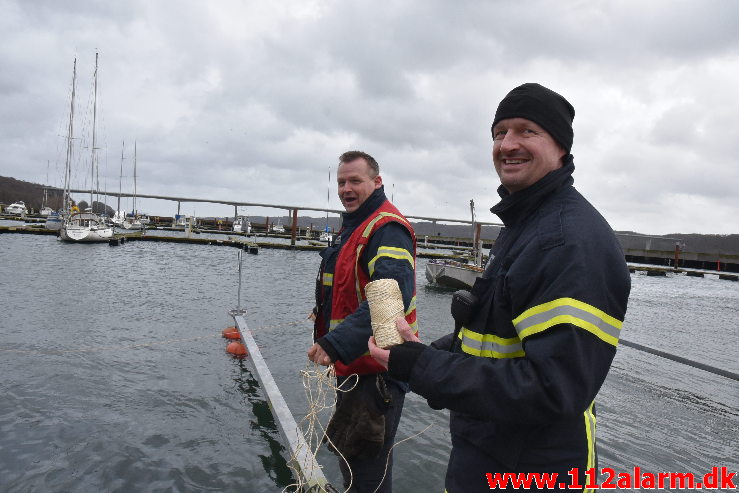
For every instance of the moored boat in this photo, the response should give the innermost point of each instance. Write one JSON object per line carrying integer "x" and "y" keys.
{"x": 54, "y": 221}
{"x": 16, "y": 209}
{"x": 85, "y": 227}
{"x": 452, "y": 274}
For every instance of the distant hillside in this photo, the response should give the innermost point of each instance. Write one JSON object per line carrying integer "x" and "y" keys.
{"x": 12, "y": 190}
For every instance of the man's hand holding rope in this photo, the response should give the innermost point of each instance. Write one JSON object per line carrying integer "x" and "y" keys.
{"x": 382, "y": 356}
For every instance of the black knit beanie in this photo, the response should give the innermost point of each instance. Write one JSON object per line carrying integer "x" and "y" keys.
{"x": 542, "y": 106}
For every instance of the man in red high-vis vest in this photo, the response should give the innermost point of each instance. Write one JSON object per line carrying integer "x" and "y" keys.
{"x": 375, "y": 242}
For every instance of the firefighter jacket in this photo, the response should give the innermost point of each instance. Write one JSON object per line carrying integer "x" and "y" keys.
{"x": 522, "y": 375}
{"x": 375, "y": 242}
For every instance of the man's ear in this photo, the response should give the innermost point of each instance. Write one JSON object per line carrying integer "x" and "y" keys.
{"x": 378, "y": 181}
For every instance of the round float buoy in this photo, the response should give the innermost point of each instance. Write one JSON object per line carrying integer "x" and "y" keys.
{"x": 231, "y": 333}
{"x": 237, "y": 349}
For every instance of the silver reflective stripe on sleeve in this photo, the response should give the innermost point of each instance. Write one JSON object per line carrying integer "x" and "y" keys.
{"x": 489, "y": 345}
{"x": 568, "y": 311}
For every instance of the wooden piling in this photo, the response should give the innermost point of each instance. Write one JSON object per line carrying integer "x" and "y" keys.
{"x": 294, "y": 227}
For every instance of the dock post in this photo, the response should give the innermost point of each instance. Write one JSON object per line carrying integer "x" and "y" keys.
{"x": 677, "y": 255}
{"x": 295, "y": 227}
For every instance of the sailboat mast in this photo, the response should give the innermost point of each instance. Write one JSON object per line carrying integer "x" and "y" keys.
{"x": 46, "y": 188}
{"x": 120, "y": 178}
{"x": 135, "y": 212}
{"x": 66, "y": 205}
{"x": 93, "y": 167}
{"x": 328, "y": 198}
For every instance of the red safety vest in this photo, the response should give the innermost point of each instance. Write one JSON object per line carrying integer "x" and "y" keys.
{"x": 349, "y": 280}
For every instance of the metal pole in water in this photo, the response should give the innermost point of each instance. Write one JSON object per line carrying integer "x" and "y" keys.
{"x": 238, "y": 300}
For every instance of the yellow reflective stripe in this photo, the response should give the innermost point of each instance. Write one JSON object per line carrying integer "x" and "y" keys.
{"x": 328, "y": 279}
{"x": 372, "y": 223}
{"x": 411, "y": 306}
{"x": 572, "y": 311}
{"x": 490, "y": 345}
{"x": 391, "y": 252}
{"x": 590, "y": 433}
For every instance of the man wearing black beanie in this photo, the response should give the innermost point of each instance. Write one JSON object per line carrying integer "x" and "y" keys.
{"x": 522, "y": 368}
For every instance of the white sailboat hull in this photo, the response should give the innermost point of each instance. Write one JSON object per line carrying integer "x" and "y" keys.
{"x": 85, "y": 228}
{"x": 85, "y": 234}
{"x": 135, "y": 225}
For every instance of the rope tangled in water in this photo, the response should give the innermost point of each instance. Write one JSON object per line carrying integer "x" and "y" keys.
{"x": 321, "y": 395}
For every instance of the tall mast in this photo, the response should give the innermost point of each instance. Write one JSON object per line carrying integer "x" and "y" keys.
{"x": 66, "y": 205}
{"x": 93, "y": 167}
{"x": 120, "y": 178}
{"x": 135, "y": 212}
{"x": 328, "y": 198}
{"x": 46, "y": 188}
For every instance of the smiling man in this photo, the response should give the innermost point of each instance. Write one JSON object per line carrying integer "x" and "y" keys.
{"x": 375, "y": 242}
{"x": 535, "y": 338}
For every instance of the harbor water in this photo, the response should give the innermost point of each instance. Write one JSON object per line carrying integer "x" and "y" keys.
{"x": 115, "y": 378}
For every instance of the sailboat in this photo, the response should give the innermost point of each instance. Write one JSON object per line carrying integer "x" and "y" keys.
{"x": 55, "y": 221}
{"x": 84, "y": 227}
{"x": 326, "y": 233}
{"x": 133, "y": 220}
{"x": 45, "y": 210}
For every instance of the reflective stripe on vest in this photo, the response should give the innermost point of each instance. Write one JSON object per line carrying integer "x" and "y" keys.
{"x": 391, "y": 252}
{"x": 411, "y": 306}
{"x": 490, "y": 345}
{"x": 368, "y": 229}
{"x": 349, "y": 274}
{"x": 568, "y": 311}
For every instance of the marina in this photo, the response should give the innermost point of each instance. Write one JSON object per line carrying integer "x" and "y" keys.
{"x": 135, "y": 399}
{"x": 165, "y": 313}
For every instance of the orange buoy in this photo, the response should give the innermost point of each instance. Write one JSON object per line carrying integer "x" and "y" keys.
{"x": 237, "y": 349}
{"x": 231, "y": 333}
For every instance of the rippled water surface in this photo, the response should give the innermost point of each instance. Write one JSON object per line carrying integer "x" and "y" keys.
{"x": 114, "y": 376}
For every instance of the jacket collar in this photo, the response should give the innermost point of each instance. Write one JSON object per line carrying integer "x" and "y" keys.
{"x": 352, "y": 219}
{"x": 515, "y": 207}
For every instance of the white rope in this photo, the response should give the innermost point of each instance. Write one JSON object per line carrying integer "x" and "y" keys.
{"x": 321, "y": 395}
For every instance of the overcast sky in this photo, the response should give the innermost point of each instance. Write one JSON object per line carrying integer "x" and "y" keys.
{"x": 254, "y": 101}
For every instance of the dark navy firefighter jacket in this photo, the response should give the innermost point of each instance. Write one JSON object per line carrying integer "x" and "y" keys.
{"x": 522, "y": 375}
